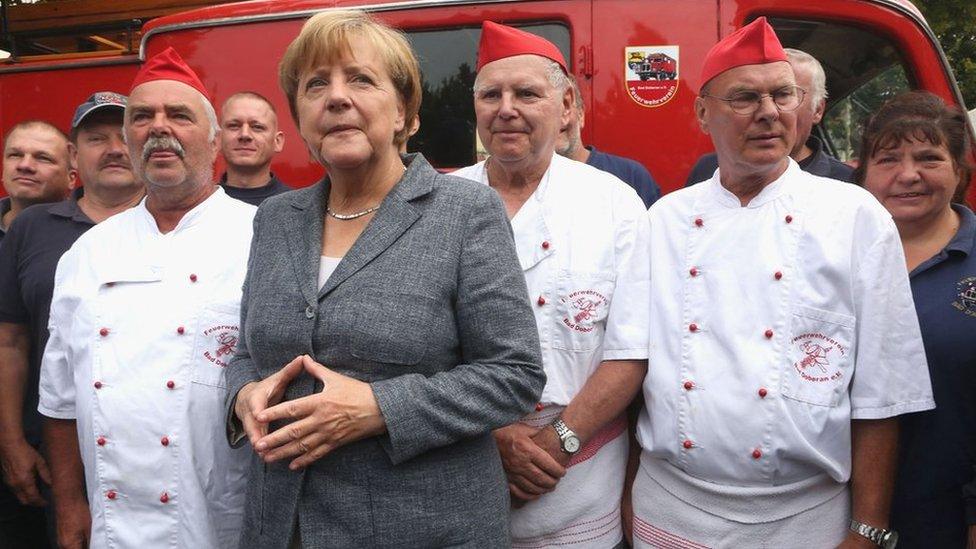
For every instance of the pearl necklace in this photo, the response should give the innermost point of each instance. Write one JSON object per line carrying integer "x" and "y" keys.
{"x": 347, "y": 217}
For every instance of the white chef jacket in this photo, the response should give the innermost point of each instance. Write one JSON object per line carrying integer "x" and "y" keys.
{"x": 142, "y": 326}
{"x": 582, "y": 242}
{"x": 772, "y": 326}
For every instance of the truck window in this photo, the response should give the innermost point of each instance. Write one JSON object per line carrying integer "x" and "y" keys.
{"x": 863, "y": 71}
{"x": 447, "y": 62}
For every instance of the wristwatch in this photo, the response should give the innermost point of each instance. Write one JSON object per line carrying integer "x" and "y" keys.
{"x": 879, "y": 536}
{"x": 568, "y": 441}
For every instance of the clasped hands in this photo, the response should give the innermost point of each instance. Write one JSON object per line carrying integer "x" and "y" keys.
{"x": 344, "y": 411}
{"x": 533, "y": 460}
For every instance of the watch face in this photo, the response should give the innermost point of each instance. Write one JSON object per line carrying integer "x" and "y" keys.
{"x": 890, "y": 540}
{"x": 571, "y": 445}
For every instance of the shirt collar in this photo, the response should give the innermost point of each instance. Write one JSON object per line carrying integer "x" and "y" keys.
{"x": 188, "y": 220}
{"x": 965, "y": 237}
{"x": 70, "y": 209}
{"x": 769, "y": 193}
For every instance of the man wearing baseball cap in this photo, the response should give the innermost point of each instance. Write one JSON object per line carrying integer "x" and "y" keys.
{"x": 144, "y": 318}
{"x": 784, "y": 337}
{"x": 581, "y": 236}
{"x": 35, "y": 243}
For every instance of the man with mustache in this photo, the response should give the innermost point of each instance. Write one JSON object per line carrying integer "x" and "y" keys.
{"x": 36, "y": 170}
{"x": 784, "y": 337}
{"x": 581, "y": 235}
{"x": 144, "y": 317}
{"x": 249, "y": 140}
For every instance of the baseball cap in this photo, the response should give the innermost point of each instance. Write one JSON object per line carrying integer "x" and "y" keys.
{"x": 98, "y": 100}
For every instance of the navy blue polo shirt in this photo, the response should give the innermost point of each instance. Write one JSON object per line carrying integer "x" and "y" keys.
{"x": 629, "y": 171}
{"x": 29, "y": 256}
{"x": 937, "y": 450}
{"x": 255, "y": 196}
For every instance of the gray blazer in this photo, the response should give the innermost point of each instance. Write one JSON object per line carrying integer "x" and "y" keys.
{"x": 430, "y": 307}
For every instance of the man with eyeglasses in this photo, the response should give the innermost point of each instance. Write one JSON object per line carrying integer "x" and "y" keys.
{"x": 808, "y": 150}
{"x": 783, "y": 336}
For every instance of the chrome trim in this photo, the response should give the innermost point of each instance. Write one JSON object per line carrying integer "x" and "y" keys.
{"x": 389, "y": 6}
{"x": 130, "y": 59}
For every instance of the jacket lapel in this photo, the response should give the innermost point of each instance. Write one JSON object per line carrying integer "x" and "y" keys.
{"x": 395, "y": 216}
{"x": 304, "y": 232}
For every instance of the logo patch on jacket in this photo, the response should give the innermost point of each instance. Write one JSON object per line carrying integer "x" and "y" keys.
{"x": 818, "y": 351}
{"x": 223, "y": 342}
{"x": 584, "y": 308}
{"x": 967, "y": 296}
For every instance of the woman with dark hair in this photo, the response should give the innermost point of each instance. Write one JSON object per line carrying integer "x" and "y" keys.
{"x": 914, "y": 160}
{"x": 386, "y": 328}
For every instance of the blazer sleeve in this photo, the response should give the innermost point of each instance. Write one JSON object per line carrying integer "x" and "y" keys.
{"x": 500, "y": 377}
{"x": 241, "y": 370}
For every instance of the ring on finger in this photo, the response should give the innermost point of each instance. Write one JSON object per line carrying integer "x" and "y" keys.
{"x": 302, "y": 446}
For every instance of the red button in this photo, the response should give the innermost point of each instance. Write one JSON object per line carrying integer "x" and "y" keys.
{"x": 110, "y": 494}
{"x": 689, "y": 385}
{"x": 687, "y": 444}
{"x": 757, "y": 453}
{"x": 98, "y": 384}
{"x": 539, "y": 407}
{"x": 693, "y": 327}
{"x": 164, "y": 498}
{"x": 763, "y": 392}
{"x": 101, "y": 441}
{"x": 699, "y": 222}
{"x": 180, "y": 330}
{"x": 164, "y": 441}
{"x": 778, "y": 275}
{"x": 769, "y": 334}
{"x": 693, "y": 271}
{"x": 170, "y": 384}
{"x": 193, "y": 278}
{"x": 103, "y": 332}
{"x": 789, "y": 219}
{"x": 545, "y": 244}
{"x": 541, "y": 301}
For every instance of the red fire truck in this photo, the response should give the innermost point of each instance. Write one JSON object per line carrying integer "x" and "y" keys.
{"x": 657, "y": 66}
{"x": 871, "y": 50}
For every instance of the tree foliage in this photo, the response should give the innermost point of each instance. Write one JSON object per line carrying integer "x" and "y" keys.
{"x": 954, "y": 22}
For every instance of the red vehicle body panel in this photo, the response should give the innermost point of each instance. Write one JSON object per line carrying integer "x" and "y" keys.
{"x": 238, "y": 46}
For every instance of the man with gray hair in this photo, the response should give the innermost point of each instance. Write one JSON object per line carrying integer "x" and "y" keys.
{"x": 809, "y": 151}
{"x": 582, "y": 240}
{"x": 144, "y": 318}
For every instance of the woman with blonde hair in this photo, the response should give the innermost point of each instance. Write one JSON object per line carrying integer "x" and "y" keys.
{"x": 386, "y": 328}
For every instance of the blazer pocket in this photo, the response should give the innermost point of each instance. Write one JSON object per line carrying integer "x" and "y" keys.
{"x": 388, "y": 327}
{"x": 819, "y": 356}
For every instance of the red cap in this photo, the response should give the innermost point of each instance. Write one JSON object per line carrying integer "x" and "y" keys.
{"x": 168, "y": 65}
{"x": 753, "y": 44}
{"x": 500, "y": 41}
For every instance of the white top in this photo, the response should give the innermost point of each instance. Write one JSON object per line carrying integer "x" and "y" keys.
{"x": 582, "y": 240}
{"x": 142, "y": 326}
{"x": 772, "y": 326}
{"x": 327, "y": 266}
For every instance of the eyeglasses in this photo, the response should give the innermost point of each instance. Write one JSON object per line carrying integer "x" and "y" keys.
{"x": 747, "y": 102}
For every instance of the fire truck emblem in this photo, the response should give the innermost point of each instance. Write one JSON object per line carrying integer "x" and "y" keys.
{"x": 651, "y": 74}
{"x": 967, "y": 296}
{"x": 816, "y": 351}
{"x": 584, "y": 309}
{"x": 222, "y": 343}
